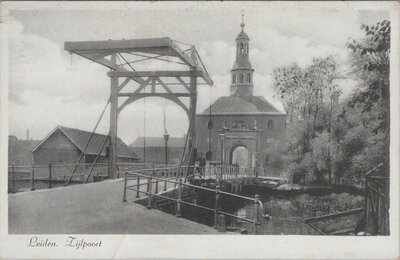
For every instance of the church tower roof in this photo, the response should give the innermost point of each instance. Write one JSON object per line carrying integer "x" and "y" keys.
{"x": 242, "y": 71}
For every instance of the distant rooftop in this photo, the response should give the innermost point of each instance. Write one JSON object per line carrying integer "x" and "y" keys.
{"x": 158, "y": 142}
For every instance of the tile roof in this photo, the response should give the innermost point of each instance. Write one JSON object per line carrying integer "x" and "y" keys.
{"x": 159, "y": 142}
{"x": 81, "y": 137}
{"x": 239, "y": 105}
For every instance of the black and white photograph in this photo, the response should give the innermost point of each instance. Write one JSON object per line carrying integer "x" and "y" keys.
{"x": 131, "y": 127}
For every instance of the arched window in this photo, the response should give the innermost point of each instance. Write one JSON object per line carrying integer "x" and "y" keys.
{"x": 247, "y": 48}
{"x": 241, "y": 79}
{"x": 270, "y": 124}
{"x": 210, "y": 124}
{"x": 248, "y": 78}
{"x": 241, "y": 48}
{"x": 233, "y": 78}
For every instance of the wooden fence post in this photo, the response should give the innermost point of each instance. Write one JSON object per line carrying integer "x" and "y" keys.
{"x": 149, "y": 194}
{"x": 138, "y": 187}
{"x": 50, "y": 177}
{"x": 125, "y": 183}
{"x": 178, "y": 201}
{"x": 13, "y": 178}
{"x": 33, "y": 177}
{"x": 217, "y": 197}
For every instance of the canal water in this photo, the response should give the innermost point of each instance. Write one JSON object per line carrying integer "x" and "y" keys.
{"x": 288, "y": 212}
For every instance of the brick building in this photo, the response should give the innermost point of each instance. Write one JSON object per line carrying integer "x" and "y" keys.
{"x": 246, "y": 121}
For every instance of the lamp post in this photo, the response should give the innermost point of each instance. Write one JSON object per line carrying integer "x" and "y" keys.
{"x": 166, "y": 137}
{"x": 222, "y": 139}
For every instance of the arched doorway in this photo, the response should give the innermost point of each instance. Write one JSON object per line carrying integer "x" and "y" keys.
{"x": 240, "y": 156}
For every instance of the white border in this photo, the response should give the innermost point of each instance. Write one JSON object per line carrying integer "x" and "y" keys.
{"x": 205, "y": 246}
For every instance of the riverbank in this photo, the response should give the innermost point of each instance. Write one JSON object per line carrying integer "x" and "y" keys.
{"x": 95, "y": 208}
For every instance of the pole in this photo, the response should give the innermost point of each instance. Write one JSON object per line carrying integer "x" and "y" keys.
{"x": 138, "y": 187}
{"x": 149, "y": 193}
{"x": 50, "y": 173}
{"x": 125, "y": 183}
{"x": 255, "y": 213}
{"x": 112, "y": 168}
{"x": 33, "y": 177}
{"x": 217, "y": 198}
{"x": 178, "y": 201}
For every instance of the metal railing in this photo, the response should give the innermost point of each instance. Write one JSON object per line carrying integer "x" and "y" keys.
{"x": 135, "y": 179}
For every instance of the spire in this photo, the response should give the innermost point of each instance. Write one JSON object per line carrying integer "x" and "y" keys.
{"x": 242, "y": 24}
{"x": 242, "y": 71}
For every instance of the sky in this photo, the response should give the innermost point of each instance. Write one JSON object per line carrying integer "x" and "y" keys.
{"x": 50, "y": 87}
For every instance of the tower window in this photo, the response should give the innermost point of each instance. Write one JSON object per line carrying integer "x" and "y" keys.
{"x": 248, "y": 78}
{"x": 234, "y": 78}
{"x": 241, "y": 48}
{"x": 210, "y": 124}
{"x": 241, "y": 79}
{"x": 270, "y": 124}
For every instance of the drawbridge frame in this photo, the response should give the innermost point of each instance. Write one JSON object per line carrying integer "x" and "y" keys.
{"x": 112, "y": 54}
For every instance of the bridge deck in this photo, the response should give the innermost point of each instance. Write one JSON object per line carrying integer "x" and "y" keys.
{"x": 95, "y": 208}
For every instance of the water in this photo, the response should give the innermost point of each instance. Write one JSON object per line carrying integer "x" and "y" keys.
{"x": 288, "y": 212}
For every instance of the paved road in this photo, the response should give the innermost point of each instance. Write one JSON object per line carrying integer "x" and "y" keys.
{"x": 94, "y": 208}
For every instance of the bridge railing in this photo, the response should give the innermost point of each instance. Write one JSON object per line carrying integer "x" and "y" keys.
{"x": 154, "y": 183}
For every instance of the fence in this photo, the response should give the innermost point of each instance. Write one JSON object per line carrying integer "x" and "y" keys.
{"x": 33, "y": 177}
{"x": 148, "y": 178}
{"x": 377, "y": 201}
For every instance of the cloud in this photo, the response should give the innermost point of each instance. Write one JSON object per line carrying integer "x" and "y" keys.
{"x": 48, "y": 87}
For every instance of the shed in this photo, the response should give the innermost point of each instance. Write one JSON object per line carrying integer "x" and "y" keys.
{"x": 64, "y": 145}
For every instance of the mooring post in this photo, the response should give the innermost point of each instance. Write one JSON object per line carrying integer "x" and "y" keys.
{"x": 50, "y": 181}
{"x": 33, "y": 177}
{"x": 13, "y": 178}
{"x": 217, "y": 197}
{"x": 138, "y": 187}
{"x": 255, "y": 213}
{"x": 125, "y": 183}
{"x": 178, "y": 201}
{"x": 149, "y": 193}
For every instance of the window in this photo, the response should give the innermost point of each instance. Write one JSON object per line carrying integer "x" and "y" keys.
{"x": 241, "y": 48}
{"x": 210, "y": 124}
{"x": 248, "y": 78}
{"x": 270, "y": 125}
{"x": 234, "y": 79}
{"x": 241, "y": 79}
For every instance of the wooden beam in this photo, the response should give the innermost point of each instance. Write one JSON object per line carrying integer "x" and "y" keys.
{"x": 117, "y": 45}
{"x": 154, "y": 94}
{"x": 171, "y": 73}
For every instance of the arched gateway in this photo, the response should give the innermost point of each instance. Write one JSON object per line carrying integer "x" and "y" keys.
{"x": 125, "y": 59}
{"x": 241, "y": 135}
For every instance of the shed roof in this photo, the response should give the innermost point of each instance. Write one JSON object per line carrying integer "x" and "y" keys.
{"x": 158, "y": 142}
{"x": 80, "y": 138}
{"x": 240, "y": 105}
